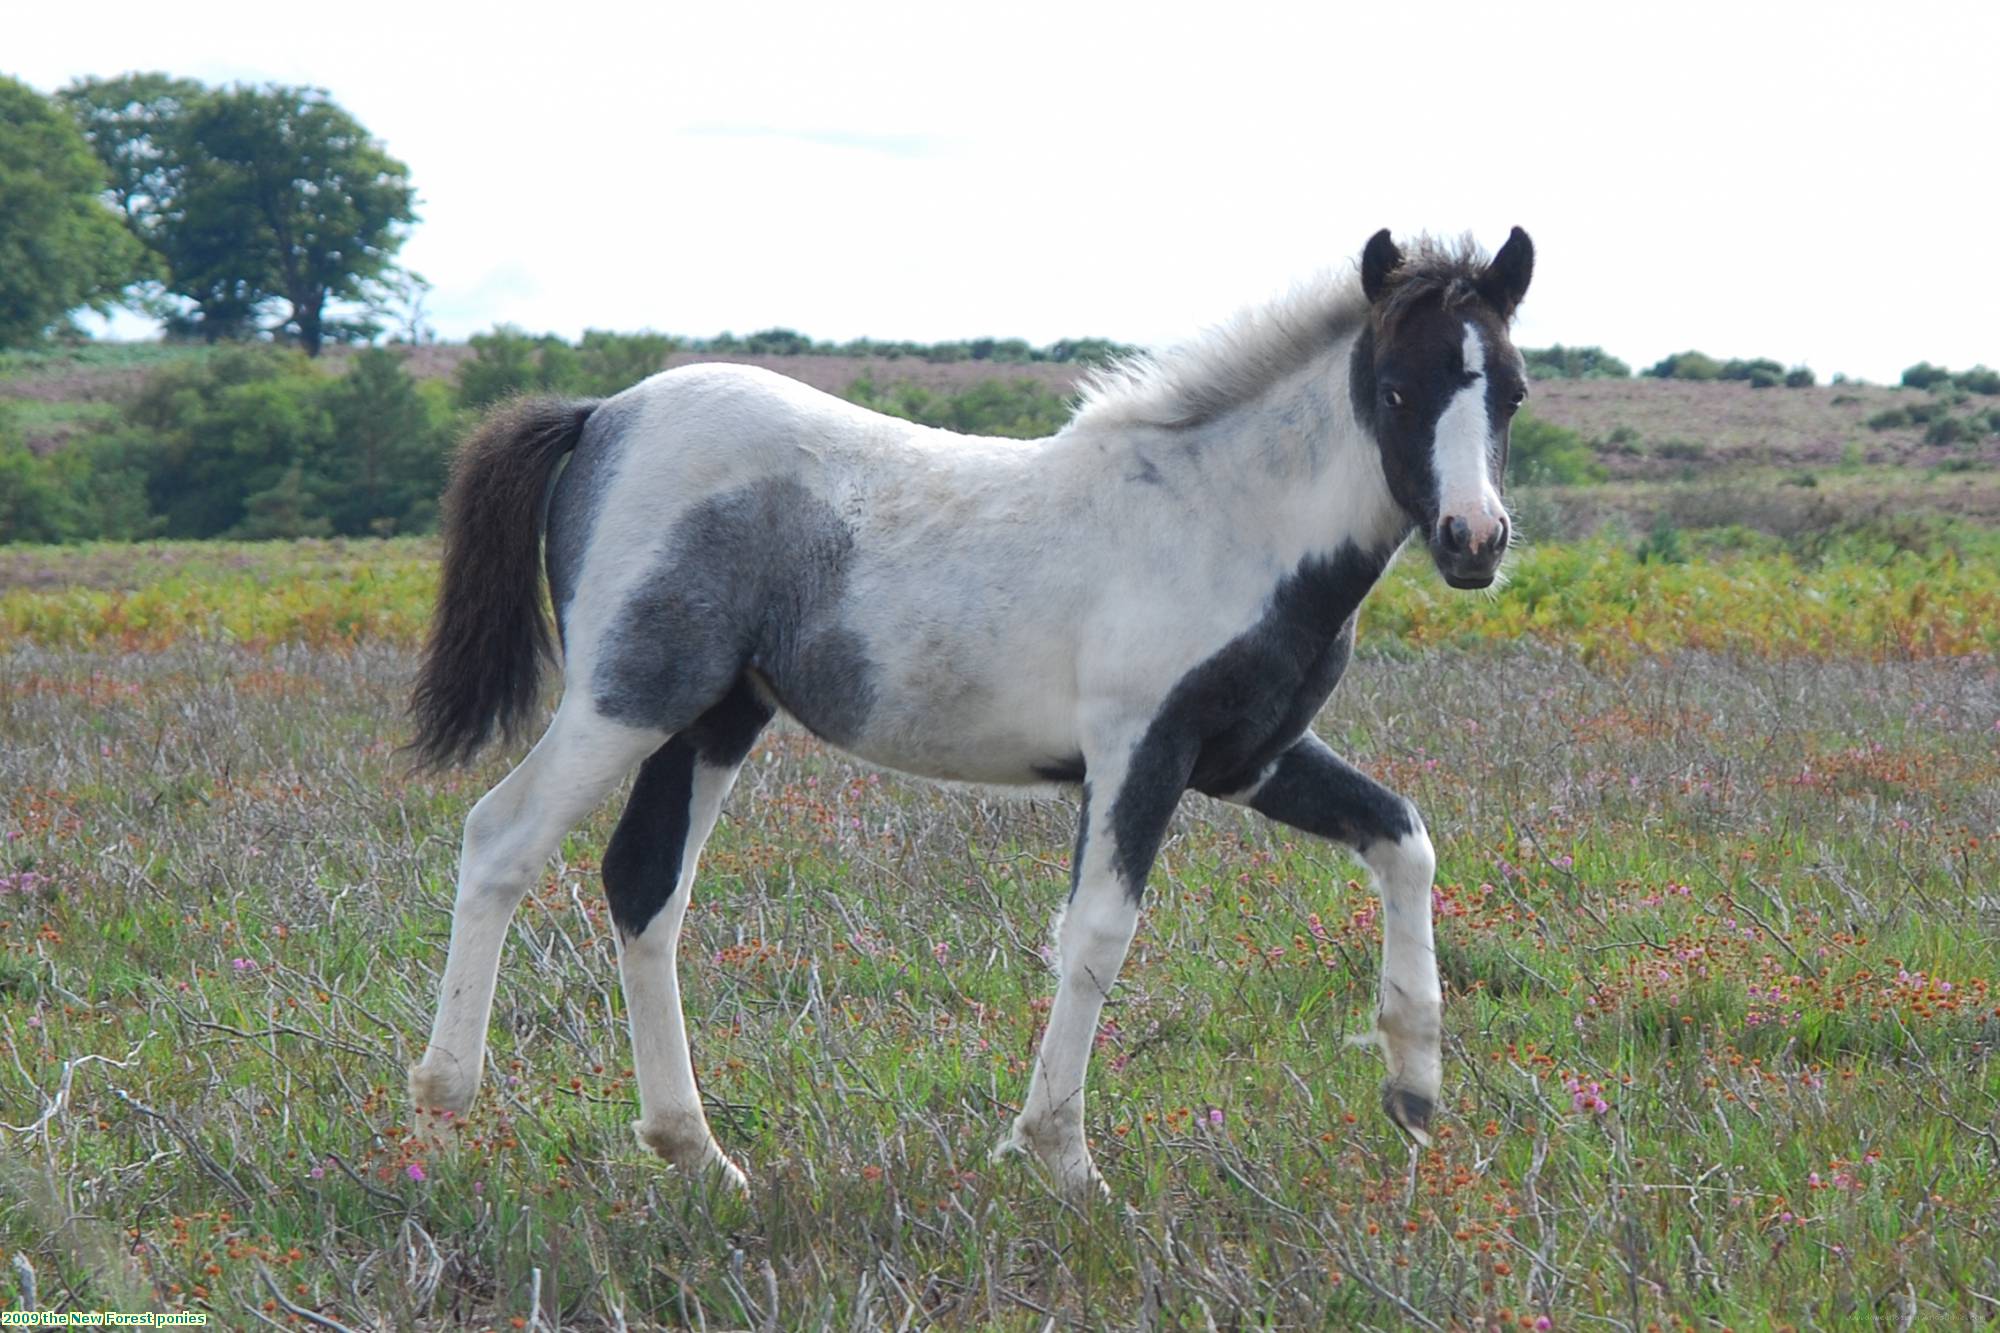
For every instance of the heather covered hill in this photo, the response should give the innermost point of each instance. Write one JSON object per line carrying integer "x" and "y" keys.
{"x": 1746, "y": 446}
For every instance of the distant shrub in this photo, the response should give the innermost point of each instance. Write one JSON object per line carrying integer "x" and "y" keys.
{"x": 1573, "y": 363}
{"x": 1005, "y": 351}
{"x": 1759, "y": 372}
{"x": 1979, "y": 379}
{"x": 1951, "y": 430}
{"x": 1621, "y": 440}
{"x": 1021, "y": 409}
{"x": 1893, "y": 418}
{"x": 1800, "y": 377}
{"x": 1543, "y": 453}
{"x": 1685, "y": 450}
{"x": 251, "y": 442}
{"x": 1663, "y": 546}
{"x": 1924, "y": 375}
{"x": 1089, "y": 351}
{"x": 1010, "y": 351}
{"x": 1762, "y": 372}
{"x": 608, "y": 363}
{"x": 778, "y": 342}
{"x": 1687, "y": 366}
{"x": 508, "y": 361}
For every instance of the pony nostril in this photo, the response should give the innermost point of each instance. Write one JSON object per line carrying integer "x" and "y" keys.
{"x": 1502, "y": 535}
{"x": 1455, "y": 533}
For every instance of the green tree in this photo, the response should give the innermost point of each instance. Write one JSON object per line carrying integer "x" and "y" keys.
{"x": 229, "y": 431}
{"x": 388, "y": 450}
{"x": 507, "y": 361}
{"x": 308, "y": 208}
{"x": 60, "y": 247}
{"x": 129, "y": 123}
{"x": 264, "y": 207}
{"x": 609, "y": 362}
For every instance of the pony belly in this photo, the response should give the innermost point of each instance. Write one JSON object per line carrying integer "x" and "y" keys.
{"x": 951, "y": 751}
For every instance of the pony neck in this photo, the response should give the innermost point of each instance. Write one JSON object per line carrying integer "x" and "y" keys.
{"x": 1295, "y": 456}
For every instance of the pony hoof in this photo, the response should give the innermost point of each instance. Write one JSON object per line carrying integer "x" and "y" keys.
{"x": 1075, "y": 1177}
{"x": 690, "y": 1153}
{"x": 441, "y": 1088}
{"x": 1411, "y": 1112}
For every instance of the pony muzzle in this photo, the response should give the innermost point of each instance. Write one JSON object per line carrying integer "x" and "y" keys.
{"x": 1468, "y": 547}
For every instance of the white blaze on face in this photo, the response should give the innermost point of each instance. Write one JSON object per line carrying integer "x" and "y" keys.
{"x": 1462, "y": 452}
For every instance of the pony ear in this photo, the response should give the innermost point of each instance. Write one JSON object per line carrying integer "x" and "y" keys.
{"x": 1505, "y": 280}
{"x": 1379, "y": 258}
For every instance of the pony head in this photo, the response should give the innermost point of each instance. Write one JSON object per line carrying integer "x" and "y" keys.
{"x": 1437, "y": 382}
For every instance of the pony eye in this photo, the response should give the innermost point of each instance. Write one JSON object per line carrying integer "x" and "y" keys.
{"x": 1393, "y": 397}
{"x": 1520, "y": 396}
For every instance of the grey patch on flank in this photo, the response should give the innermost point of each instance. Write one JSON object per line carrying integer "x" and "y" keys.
{"x": 576, "y": 497}
{"x": 752, "y": 579}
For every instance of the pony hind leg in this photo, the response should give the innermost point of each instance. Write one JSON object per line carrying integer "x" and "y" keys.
{"x": 509, "y": 836}
{"x": 649, "y": 873}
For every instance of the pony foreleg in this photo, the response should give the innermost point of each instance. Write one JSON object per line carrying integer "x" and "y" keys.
{"x": 1313, "y": 789}
{"x": 509, "y": 836}
{"x": 1125, "y": 812}
{"x": 649, "y": 873}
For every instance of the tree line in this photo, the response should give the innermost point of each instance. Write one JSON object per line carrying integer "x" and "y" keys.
{"x": 227, "y": 213}
{"x": 253, "y": 441}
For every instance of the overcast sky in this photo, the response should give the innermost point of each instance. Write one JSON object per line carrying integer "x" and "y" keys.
{"x": 1809, "y": 182}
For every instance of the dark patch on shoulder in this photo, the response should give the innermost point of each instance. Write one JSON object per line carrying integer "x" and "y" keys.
{"x": 1146, "y": 473}
{"x": 1230, "y": 716}
{"x": 752, "y": 579}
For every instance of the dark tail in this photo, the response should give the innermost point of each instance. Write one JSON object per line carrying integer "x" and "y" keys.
{"x": 482, "y": 666}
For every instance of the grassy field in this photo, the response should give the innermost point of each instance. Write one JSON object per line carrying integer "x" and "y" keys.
{"x": 1718, "y": 902}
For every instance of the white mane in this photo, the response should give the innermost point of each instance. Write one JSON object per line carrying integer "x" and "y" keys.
{"x": 1226, "y": 364}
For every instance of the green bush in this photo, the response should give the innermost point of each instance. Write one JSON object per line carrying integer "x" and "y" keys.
{"x": 1889, "y": 419}
{"x": 1951, "y": 430}
{"x": 1979, "y": 379}
{"x": 508, "y": 361}
{"x": 1688, "y": 365}
{"x": 1924, "y": 375}
{"x": 1020, "y": 408}
{"x": 1762, "y": 372}
{"x": 1573, "y": 363}
{"x": 252, "y": 442}
{"x": 1800, "y": 377}
{"x": 1684, "y": 450}
{"x": 607, "y": 363}
{"x": 1663, "y": 546}
{"x": 1542, "y": 453}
